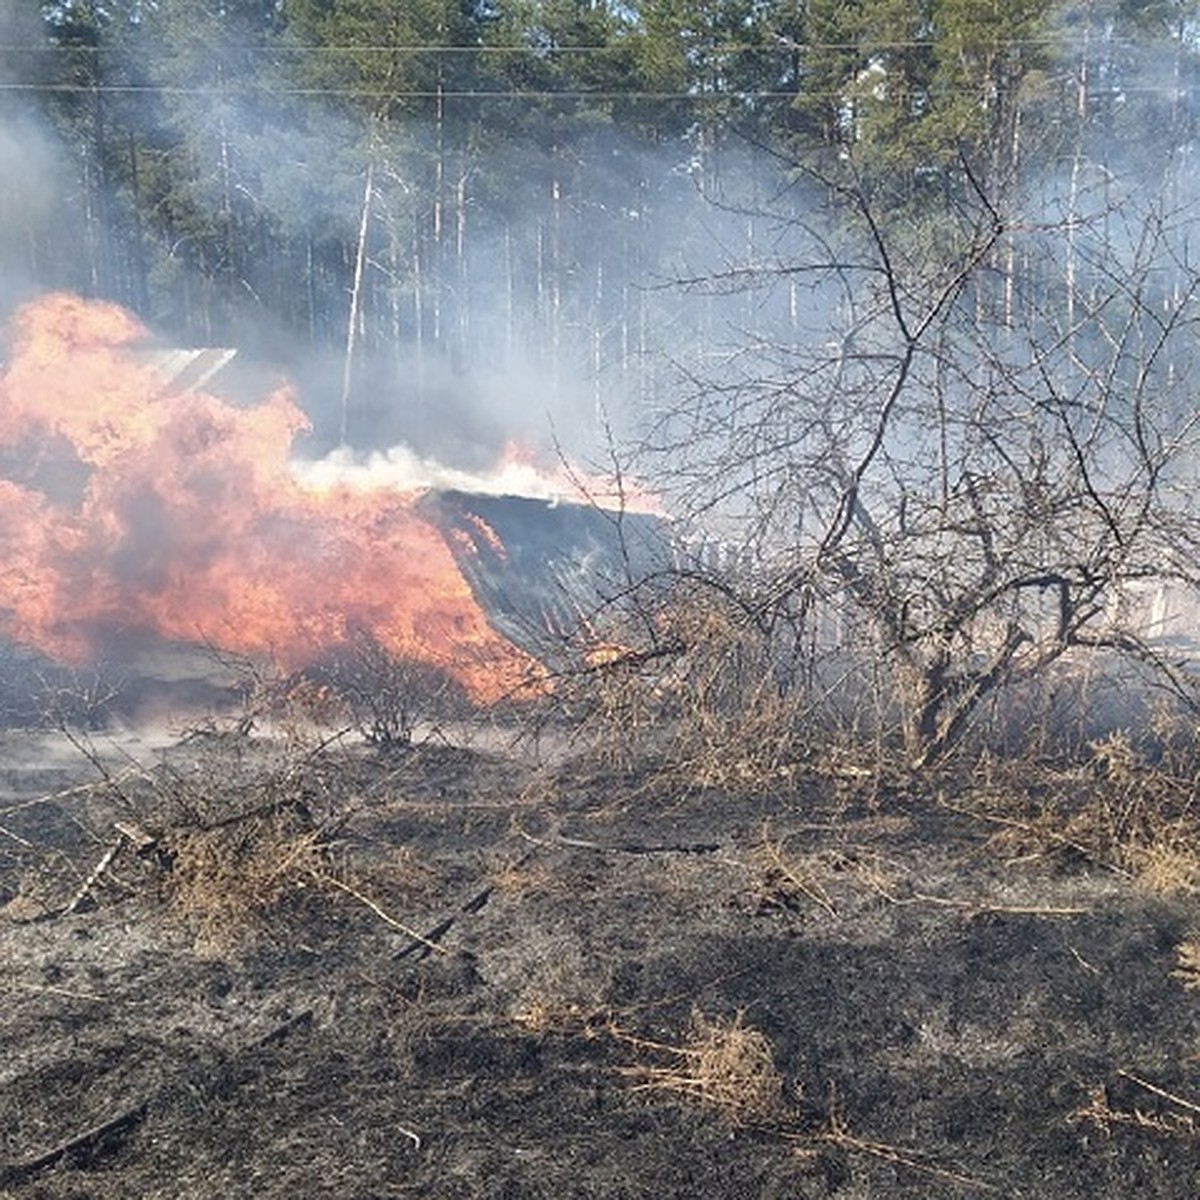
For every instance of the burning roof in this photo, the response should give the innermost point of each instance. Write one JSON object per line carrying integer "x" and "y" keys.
{"x": 541, "y": 568}
{"x": 135, "y": 505}
{"x": 183, "y": 371}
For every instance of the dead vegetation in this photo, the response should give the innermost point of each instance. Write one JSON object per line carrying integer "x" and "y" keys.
{"x": 1150, "y": 1109}
{"x": 231, "y": 883}
{"x": 708, "y": 814}
{"x": 1129, "y": 807}
{"x": 724, "y": 1064}
{"x": 689, "y": 690}
{"x": 385, "y": 695}
{"x": 789, "y": 881}
{"x": 1188, "y": 970}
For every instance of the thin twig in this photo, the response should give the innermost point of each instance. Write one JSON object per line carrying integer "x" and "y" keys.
{"x": 57, "y": 991}
{"x": 385, "y": 917}
{"x": 16, "y": 837}
{"x": 77, "y": 790}
{"x": 1165, "y": 1095}
{"x": 894, "y": 1154}
{"x": 81, "y": 1142}
{"x": 975, "y": 907}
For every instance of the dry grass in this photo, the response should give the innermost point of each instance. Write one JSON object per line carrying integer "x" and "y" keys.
{"x": 1167, "y": 862}
{"x": 238, "y": 881}
{"x": 1187, "y": 955}
{"x": 790, "y": 881}
{"x": 733, "y": 729}
{"x": 1130, "y": 808}
{"x": 229, "y": 883}
{"x": 541, "y": 1013}
{"x": 725, "y": 1065}
{"x": 747, "y": 750}
{"x": 694, "y": 692}
{"x": 1165, "y": 1113}
{"x": 823, "y": 879}
{"x": 523, "y": 877}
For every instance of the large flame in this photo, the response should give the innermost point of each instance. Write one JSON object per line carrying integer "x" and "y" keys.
{"x": 127, "y": 509}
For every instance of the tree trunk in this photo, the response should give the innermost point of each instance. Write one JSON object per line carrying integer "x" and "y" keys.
{"x": 360, "y": 258}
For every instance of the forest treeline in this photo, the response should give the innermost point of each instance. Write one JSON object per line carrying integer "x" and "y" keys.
{"x": 462, "y": 183}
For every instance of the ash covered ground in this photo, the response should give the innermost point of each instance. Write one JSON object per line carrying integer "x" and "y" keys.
{"x": 456, "y": 972}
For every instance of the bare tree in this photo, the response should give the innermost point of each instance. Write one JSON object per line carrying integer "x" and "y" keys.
{"x": 983, "y": 470}
{"x": 387, "y": 695}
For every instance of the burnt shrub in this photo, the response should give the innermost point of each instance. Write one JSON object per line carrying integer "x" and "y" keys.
{"x": 387, "y": 695}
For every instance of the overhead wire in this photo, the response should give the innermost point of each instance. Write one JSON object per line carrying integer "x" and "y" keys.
{"x": 698, "y": 95}
{"x": 778, "y": 42}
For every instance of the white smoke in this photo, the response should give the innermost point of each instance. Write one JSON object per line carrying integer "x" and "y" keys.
{"x": 402, "y": 469}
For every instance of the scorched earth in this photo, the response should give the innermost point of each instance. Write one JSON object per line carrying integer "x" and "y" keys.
{"x": 315, "y": 969}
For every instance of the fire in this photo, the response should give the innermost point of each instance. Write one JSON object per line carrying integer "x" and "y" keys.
{"x": 130, "y": 511}
{"x": 519, "y": 471}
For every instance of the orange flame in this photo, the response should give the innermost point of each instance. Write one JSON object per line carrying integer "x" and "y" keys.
{"x": 127, "y": 511}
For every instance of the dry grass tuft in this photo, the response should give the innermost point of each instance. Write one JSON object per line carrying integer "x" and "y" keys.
{"x": 694, "y": 690}
{"x": 1115, "y": 758}
{"x": 229, "y": 883}
{"x": 522, "y": 878}
{"x": 1130, "y": 807}
{"x": 540, "y": 1015}
{"x": 1167, "y": 862}
{"x": 725, "y": 1064}
{"x": 1187, "y": 954}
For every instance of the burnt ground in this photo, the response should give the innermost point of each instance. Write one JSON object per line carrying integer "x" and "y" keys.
{"x": 949, "y": 1015}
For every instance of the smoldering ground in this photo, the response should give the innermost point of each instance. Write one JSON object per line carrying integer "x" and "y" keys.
{"x": 497, "y": 982}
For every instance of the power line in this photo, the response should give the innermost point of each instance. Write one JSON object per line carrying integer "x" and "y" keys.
{"x": 404, "y": 94}
{"x": 778, "y": 43}
{"x": 368, "y": 92}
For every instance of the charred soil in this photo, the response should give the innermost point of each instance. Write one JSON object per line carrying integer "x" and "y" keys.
{"x": 448, "y": 973}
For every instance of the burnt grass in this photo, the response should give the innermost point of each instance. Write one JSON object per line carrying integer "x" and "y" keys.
{"x": 947, "y": 1016}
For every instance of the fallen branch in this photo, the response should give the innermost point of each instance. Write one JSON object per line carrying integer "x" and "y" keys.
{"x": 80, "y": 1145}
{"x": 301, "y": 1020}
{"x": 427, "y": 941}
{"x": 423, "y": 944}
{"x": 93, "y": 878}
{"x": 78, "y": 789}
{"x": 143, "y": 843}
{"x": 629, "y": 847}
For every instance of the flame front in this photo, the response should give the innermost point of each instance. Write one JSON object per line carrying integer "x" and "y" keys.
{"x": 126, "y": 510}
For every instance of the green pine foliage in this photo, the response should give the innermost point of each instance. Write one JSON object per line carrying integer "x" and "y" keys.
{"x": 538, "y": 166}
